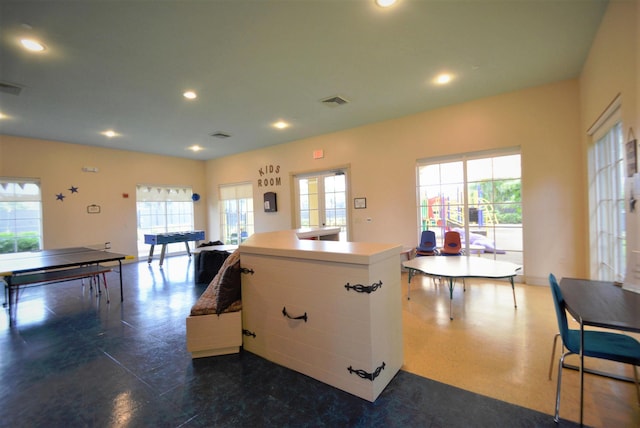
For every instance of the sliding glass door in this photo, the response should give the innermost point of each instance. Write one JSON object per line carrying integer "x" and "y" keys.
{"x": 478, "y": 195}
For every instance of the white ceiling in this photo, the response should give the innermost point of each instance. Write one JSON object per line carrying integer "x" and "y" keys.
{"x": 123, "y": 65}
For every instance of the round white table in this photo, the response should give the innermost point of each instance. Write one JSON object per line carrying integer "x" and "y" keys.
{"x": 453, "y": 267}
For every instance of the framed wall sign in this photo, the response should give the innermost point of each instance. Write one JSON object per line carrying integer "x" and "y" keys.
{"x": 359, "y": 203}
{"x": 270, "y": 202}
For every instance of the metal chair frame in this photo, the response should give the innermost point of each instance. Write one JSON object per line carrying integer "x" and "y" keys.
{"x": 595, "y": 336}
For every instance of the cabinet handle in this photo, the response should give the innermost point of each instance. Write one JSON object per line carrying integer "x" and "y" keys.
{"x": 248, "y": 333}
{"x": 301, "y": 317}
{"x": 365, "y": 375}
{"x": 245, "y": 270}
{"x": 364, "y": 288}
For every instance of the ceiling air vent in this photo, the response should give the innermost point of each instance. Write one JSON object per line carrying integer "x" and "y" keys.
{"x": 221, "y": 135}
{"x": 334, "y": 101}
{"x": 9, "y": 88}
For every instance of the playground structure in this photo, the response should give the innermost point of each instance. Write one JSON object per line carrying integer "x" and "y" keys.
{"x": 442, "y": 214}
{"x": 441, "y": 211}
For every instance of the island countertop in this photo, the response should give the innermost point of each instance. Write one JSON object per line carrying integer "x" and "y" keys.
{"x": 285, "y": 243}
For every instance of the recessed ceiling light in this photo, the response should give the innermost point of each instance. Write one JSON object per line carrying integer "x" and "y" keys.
{"x": 110, "y": 133}
{"x": 32, "y": 45}
{"x": 3, "y": 116}
{"x": 195, "y": 148}
{"x": 190, "y": 95}
{"x": 385, "y": 3}
{"x": 443, "y": 79}
{"x": 281, "y": 124}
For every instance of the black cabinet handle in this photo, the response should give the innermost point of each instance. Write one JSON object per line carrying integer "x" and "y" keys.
{"x": 248, "y": 333}
{"x": 364, "y": 288}
{"x": 365, "y": 375}
{"x": 301, "y": 317}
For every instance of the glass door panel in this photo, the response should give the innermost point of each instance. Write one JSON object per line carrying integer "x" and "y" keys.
{"x": 322, "y": 201}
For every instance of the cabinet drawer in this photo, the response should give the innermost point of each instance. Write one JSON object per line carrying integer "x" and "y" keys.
{"x": 320, "y": 284}
{"x": 325, "y": 366}
{"x": 342, "y": 336}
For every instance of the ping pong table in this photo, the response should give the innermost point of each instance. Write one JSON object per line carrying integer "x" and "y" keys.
{"x": 48, "y": 266}
{"x": 461, "y": 267}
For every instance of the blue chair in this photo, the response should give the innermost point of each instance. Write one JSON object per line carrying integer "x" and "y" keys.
{"x": 428, "y": 246}
{"x": 597, "y": 344}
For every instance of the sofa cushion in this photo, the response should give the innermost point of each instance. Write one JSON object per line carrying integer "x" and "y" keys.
{"x": 207, "y": 264}
{"x": 223, "y": 293}
{"x": 229, "y": 285}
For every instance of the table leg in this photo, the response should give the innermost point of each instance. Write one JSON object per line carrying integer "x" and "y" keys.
{"x": 120, "y": 266}
{"x": 164, "y": 249}
{"x": 7, "y": 299}
{"x": 186, "y": 244}
{"x": 13, "y": 303}
{"x": 451, "y": 298}
{"x": 410, "y": 275}
{"x": 513, "y": 289}
{"x": 581, "y": 370}
{"x": 6, "y": 291}
{"x": 151, "y": 253}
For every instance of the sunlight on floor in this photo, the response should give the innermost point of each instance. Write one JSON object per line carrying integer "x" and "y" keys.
{"x": 494, "y": 349}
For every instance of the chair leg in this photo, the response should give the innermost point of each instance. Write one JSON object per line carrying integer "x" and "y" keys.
{"x": 635, "y": 377}
{"x": 556, "y": 418}
{"x": 553, "y": 353}
{"x": 95, "y": 279}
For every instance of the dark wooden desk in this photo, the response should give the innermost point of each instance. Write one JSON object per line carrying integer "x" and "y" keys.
{"x": 599, "y": 304}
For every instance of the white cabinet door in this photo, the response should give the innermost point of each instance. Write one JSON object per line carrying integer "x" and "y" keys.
{"x": 348, "y": 319}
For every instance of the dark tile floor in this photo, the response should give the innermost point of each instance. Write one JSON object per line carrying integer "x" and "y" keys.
{"x": 72, "y": 360}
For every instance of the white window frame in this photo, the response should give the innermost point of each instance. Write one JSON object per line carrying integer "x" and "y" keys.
{"x": 607, "y": 223}
{"x": 460, "y": 208}
{"x": 329, "y": 204}
{"x": 236, "y": 198}
{"x": 10, "y": 199}
{"x": 162, "y": 202}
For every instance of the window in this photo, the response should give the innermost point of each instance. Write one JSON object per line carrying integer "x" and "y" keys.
{"x": 20, "y": 215}
{"x": 478, "y": 195}
{"x": 236, "y": 212}
{"x": 607, "y": 200}
{"x": 163, "y": 209}
{"x": 322, "y": 200}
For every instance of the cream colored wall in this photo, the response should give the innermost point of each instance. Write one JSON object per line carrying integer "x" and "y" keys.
{"x": 612, "y": 68}
{"x": 633, "y": 262}
{"x": 543, "y": 122}
{"x": 59, "y": 166}
{"x": 548, "y": 123}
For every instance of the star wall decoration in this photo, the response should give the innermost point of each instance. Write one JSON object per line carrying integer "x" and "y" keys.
{"x": 60, "y": 197}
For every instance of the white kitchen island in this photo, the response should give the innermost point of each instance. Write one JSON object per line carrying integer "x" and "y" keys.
{"x": 329, "y": 309}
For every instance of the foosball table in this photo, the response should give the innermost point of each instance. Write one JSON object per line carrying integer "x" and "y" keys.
{"x": 171, "y": 238}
